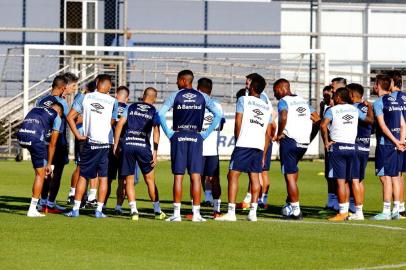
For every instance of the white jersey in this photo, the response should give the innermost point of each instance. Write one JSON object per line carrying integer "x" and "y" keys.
{"x": 210, "y": 144}
{"x": 344, "y": 123}
{"x": 255, "y": 120}
{"x": 97, "y": 115}
{"x": 298, "y": 125}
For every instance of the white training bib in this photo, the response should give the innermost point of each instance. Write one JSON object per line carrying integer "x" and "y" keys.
{"x": 344, "y": 126}
{"x": 298, "y": 125}
{"x": 210, "y": 144}
{"x": 97, "y": 115}
{"x": 255, "y": 122}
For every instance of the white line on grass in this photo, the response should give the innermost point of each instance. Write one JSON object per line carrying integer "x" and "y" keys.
{"x": 339, "y": 223}
{"x": 387, "y": 266}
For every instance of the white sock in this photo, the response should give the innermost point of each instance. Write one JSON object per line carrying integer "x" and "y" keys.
{"x": 76, "y": 206}
{"x": 176, "y": 209}
{"x": 216, "y": 205}
{"x": 91, "y": 196}
{"x": 247, "y": 198}
{"x": 395, "y": 206}
{"x": 33, "y": 204}
{"x": 358, "y": 210}
{"x": 196, "y": 210}
{"x": 118, "y": 207}
{"x": 330, "y": 200}
{"x": 208, "y": 196}
{"x": 386, "y": 207}
{"x": 264, "y": 198}
{"x": 51, "y": 204}
{"x": 72, "y": 191}
{"x": 295, "y": 208}
{"x": 343, "y": 207}
{"x": 253, "y": 209}
{"x": 133, "y": 206}
{"x": 157, "y": 207}
{"x": 231, "y": 209}
{"x": 99, "y": 207}
{"x": 402, "y": 207}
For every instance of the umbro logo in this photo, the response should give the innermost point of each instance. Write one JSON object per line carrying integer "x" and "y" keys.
{"x": 391, "y": 99}
{"x": 48, "y": 103}
{"x": 364, "y": 109}
{"x": 404, "y": 98}
{"x": 258, "y": 112}
{"x": 348, "y": 117}
{"x": 97, "y": 107}
{"x": 189, "y": 96}
{"x": 209, "y": 118}
{"x": 143, "y": 107}
{"x": 301, "y": 110}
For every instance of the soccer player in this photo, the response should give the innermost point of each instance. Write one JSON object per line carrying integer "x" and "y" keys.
{"x": 211, "y": 162}
{"x": 99, "y": 112}
{"x": 141, "y": 118}
{"x": 338, "y": 82}
{"x": 187, "y": 138}
{"x": 390, "y": 137}
{"x": 252, "y": 120}
{"x": 341, "y": 121}
{"x": 400, "y": 96}
{"x": 122, "y": 94}
{"x": 296, "y": 122}
{"x": 362, "y": 144}
{"x": 52, "y": 182}
{"x": 38, "y": 125}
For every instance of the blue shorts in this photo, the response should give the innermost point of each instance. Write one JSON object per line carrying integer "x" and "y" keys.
{"x": 38, "y": 151}
{"x": 114, "y": 165}
{"x": 78, "y": 150}
{"x": 248, "y": 160}
{"x": 94, "y": 160}
{"x": 187, "y": 152}
{"x": 211, "y": 166}
{"x": 360, "y": 164}
{"x": 291, "y": 153}
{"x": 132, "y": 155}
{"x": 387, "y": 160}
{"x": 268, "y": 157}
{"x": 341, "y": 159}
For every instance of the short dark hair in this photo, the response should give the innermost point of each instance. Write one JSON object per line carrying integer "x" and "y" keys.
{"x": 240, "y": 93}
{"x": 281, "y": 81}
{"x": 328, "y": 88}
{"x": 396, "y": 76}
{"x": 339, "y": 80}
{"x": 103, "y": 77}
{"x": 70, "y": 77}
{"x": 357, "y": 88}
{"x": 383, "y": 81}
{"x": 252, "y": 76}
{"x": 205, "y": 83}
{"x": 91, "y": 86}
{"x": 123, "y": 88}
{"x": 258, "y": 83}
{"x": 59, "y": 105}
{"x": 186, "y": 72}
{"x": 344, "y": 94}
{"x": 58, "y": 81}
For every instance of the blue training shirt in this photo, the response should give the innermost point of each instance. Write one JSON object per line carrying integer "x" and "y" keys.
{"x": 387, "y": 106}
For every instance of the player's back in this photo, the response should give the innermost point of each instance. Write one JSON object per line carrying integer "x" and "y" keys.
{"x": 188, "y": 110}
{"x": 210, "y": 144}
{"x": 141, "y": 117}
{"x": 38, "y": 123}
{"x": 344, "y": 125}
{"x": 364, "y": 130}
{"x": 392, "y": 113}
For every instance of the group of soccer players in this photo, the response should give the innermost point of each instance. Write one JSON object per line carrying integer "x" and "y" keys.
{"x": 113, "y": 141}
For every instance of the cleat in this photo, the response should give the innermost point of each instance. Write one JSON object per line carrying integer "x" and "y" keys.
{"x": 382, "y": 216}
{"x": 198, "y": 218}
{"x": 160, "y": 216}
{"x": 252, "y": 218}
{"x": 118, "y": 212}
{"x": 134, "y": 216}
{"x": 339, "y": 217}
{"x": 34, "y": 213}
{"x": 216, "y": 215}
{"x": 174, "y": 219}
{"x": 70, "y": 200}
{"x": 328, "y": 211}
{"x": 189, "y": 216}
{"x": 293, "y": 217}
{"x": 243, "y": 206}
{"x": 227, "y": 217}
{"x": 395, "y": 216}
{"x": 41, "y": 207}
{"x": 72, "y": 213}
{"x": 91, "y": 204}
{"x": 262, "y": 206}
{"x": 52, "y": 210}
{"x": 355, "y": 217}
{"x": 99, "y": 214}
{"x": 402, "y": 214}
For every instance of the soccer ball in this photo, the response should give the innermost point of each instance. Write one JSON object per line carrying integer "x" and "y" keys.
{"x": 287, "y": 210}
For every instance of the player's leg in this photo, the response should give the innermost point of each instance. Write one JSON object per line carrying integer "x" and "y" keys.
{"x": 264, "y": 189}
{"x": 196, "y": 193}
{"x": 120, "y": 194}
{"x": 216, "y": 189}
{"x": 91, "y": 201}
{"x": 396, "y": 188}
{"x": 232, "y": 178}
{"x": 255, "y": 191}
{"x": 36, "y": 192}
{"x": 154, "y": 194}
{"x": 130, "y": 191}
{"x": 177, "y": 197}
{"x": 79, "y": 192}
{"x": 112, "y": 172}
{"x": 73, "y": 181}
{"x": 245, "y": 204}
{"x": 52, "y": 206}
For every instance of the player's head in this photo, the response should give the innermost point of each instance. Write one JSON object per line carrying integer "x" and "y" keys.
{"x": 122, "y": 94}
{"x": 338, "y": 83}
{"x": 59, "y": 85}
{"x": 185, "y": 79}
{"x": 205, "y": 85}
{"x": 356, "y": 92}
{"x": 242, "y": 92}
{"x": 57, "y": 107}
{"x": 341, "y": 95}
{"x": 249, "y": 78}
{"x": 396, "y": 78}
{"x": 327, "y": 94}
{"x": 150, "y": 95}
{"x": 382, "y": 83}
{"x": 281, "y": 88}
{"x": 72, "y": 85}
{"x": 90, "y": 86}
{"x": 129, "y": 34}
{"x": 257, "y": 85}
{"x": 104, "y": 83}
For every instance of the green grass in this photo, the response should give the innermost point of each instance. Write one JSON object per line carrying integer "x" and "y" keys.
{"x": 118, "y": 243}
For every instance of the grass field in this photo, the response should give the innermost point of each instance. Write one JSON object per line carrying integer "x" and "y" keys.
{"x": 118, "y": 243}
